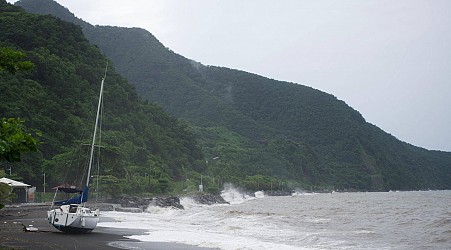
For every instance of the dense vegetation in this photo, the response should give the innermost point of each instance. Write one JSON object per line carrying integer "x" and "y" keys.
{"x": 255, "y": 129}
{"x": 142, "y": 148}
{"x": 13, "y": 139}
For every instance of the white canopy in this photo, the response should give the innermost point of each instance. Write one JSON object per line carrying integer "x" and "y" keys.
{"x": 13, "y": 183}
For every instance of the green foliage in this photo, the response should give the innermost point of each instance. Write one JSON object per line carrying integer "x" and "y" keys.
{"x": 110, "y": 186}
{"x": 6, "y": 195}
{"x": 260, "y": 182}
{"x": 14, "y": 140}
{"x": 58, "y": 97}
{"x": 11, "y": 60}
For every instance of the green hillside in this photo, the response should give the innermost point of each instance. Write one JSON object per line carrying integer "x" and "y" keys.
{"x": 255, "y": 126}
{"x": 143, "y": 148}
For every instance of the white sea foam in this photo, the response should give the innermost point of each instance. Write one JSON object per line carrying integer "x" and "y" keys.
{"x": 233, "y": 195}
{"x": 322, "y": 221}
{"x": 188, "y": 202}
{"x": 217, "y": 226}
{"x": 299, "y": 192}
{"x": 259, "y": 194}
{"x": 152, "y": 209}
{"x": 201, "y": 227}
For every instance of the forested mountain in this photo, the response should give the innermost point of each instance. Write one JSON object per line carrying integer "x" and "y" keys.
{"x": 253, "y": 128}
{"x": 143, "y": 148}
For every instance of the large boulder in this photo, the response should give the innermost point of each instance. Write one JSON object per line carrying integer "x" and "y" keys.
{"x": 173, "y": 202}
{"x": 208, "y": 199}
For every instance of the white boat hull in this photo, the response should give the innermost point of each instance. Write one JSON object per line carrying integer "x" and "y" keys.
{"x": 73, "y": 219}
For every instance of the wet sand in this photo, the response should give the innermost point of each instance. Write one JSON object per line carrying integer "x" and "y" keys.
{"x": 13, "y": 220}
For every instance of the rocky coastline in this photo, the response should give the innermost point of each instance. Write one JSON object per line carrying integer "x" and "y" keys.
{"x": 139, "y": 204}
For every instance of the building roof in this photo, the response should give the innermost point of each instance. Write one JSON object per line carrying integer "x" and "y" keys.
{"x": 13, "y": 183}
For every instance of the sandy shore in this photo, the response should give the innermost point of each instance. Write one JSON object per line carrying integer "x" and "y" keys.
{"x": 13, "y": 236}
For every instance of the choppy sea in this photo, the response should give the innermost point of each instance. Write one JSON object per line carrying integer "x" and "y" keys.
{"x": 373, "y": 220}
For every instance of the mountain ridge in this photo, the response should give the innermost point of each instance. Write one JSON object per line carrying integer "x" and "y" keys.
{"x": 331, "y": 143}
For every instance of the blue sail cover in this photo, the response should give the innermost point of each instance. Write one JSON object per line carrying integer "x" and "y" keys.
{"x": 81, "y": 198}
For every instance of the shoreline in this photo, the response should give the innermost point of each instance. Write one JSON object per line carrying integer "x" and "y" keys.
{"x": 42, "y": 235}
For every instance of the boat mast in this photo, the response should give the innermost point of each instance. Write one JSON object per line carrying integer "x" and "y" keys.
{"x": 95, "y": 128}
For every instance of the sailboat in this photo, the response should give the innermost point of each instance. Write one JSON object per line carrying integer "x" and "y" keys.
{"x": 72, "y": 216}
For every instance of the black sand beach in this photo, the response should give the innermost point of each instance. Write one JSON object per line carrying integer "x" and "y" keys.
{"x": 13, "y": 219}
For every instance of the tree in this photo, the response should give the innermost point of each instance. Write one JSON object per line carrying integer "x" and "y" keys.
{"x": 11, "y": 60}
{"x": 14, "y": 140}
{"x": 5, "y": 191}
{"x": 5, "y": 194}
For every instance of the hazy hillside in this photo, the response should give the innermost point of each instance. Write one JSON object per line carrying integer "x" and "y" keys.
{"x": 253, "y": 125}
{"x": 143, "y": 148}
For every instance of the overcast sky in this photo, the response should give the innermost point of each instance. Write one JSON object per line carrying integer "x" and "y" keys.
{"x": 390, "y": 60}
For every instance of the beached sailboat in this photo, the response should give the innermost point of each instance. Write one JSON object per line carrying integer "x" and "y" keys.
{"x": 72, "y": 216}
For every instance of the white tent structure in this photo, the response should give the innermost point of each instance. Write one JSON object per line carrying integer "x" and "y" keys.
{"x": 16, "y": 185}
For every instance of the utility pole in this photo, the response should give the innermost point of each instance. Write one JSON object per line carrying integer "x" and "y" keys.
{"x": 201, "y": 186}
{"x": 44, "y": 183}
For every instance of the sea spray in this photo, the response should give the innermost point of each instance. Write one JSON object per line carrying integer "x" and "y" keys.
{"x": 234, "y": 195}
{"x": 189, "y": 202}
{"x": 259, "y": 194}
{"x": 152, "y": 209}
{"x": 299, "y": 192}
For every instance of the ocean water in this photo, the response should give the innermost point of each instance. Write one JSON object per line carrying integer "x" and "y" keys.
{"x": 376, "y": 220}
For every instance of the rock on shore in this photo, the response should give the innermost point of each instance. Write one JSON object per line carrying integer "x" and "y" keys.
{"x": 139, "y": 204}
{"x": 208, "y": 199}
